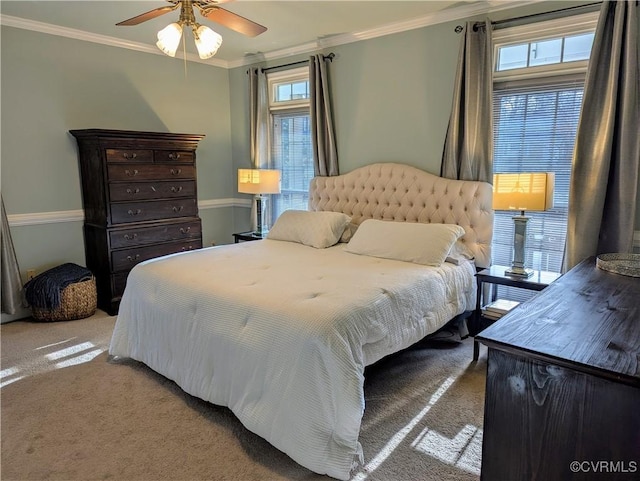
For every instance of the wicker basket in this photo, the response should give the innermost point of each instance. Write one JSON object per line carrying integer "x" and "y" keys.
{"x": 77, "y": 301}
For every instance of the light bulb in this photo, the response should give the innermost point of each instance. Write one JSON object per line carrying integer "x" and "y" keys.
{"x": 169, "y": 39}
{"x": 207, "y": 41}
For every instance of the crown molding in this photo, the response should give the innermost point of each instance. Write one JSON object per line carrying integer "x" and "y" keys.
{"x": 575, "y": 24}
{"x": 26, "y": 24}
{"x": 458, "y": 13}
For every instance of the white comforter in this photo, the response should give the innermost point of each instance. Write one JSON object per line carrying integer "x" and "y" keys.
{"x": 281, "y": 333}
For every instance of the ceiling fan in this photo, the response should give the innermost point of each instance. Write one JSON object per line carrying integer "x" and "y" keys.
{"x": 207, "y": 41}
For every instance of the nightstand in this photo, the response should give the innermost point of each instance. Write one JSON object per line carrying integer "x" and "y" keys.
{"x": 246, "y": 236}
{"x": 495, "y": 275}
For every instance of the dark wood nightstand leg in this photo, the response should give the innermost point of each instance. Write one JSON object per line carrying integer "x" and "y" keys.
{"x": 476, "y": 350}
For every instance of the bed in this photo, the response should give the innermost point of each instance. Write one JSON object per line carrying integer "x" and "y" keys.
{"x": 280, "y": 330}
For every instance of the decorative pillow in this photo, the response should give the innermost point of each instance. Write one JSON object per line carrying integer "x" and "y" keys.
{"x": 348, "y": 232}
{"x": 315, "y": 229}
{"x": 426, "y": 244}
{"x": 459, "y": 252}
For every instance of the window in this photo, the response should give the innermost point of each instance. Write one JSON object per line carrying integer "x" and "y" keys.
{"x": 290, "y": 132}
{"x": 545, "y": 52}
{"x": 538, "y": 88}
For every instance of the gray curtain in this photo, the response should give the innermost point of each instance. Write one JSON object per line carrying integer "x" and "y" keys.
{"x": 11, "y": 280}
{"x": 606, "y": 158}
{"x": 323, "y": 139}
{"x": 468, "y": 147}
{"x": 258, "y": 126}
{"x": 258, "y": 118}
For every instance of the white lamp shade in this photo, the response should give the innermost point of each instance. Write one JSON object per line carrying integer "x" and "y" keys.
{"x": 258, "y": 181}
{"x": 169, "y": 39}
{"x": 207, "y": 41}
{"x": 523, "y": 191}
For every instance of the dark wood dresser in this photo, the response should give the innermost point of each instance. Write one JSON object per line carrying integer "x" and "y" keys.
{"x": 563, "y": 382}
{"x": 139, "y": 199}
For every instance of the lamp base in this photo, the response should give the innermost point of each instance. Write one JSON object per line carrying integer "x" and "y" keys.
{"x": 519, "y": 272}
{"x": 260, "y": 233}
{"x": 261, "y": 207}
{"x": 519, "y": 240}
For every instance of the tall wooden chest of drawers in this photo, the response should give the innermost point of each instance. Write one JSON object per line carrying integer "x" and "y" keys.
{"x": 139, "y": 199}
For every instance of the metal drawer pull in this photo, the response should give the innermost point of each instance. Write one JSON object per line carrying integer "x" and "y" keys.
{"x": 178, "y": 208}
{"x": 174, "y": 156}
{"x": 130, "y": 236}
{"x": 184, "y": 230}
{"x": 190, "y": 248}
{"x": 176, "y": 189}
{"x": 133, "y": 258}
{"x": 130, "y": 173}
{"x": 129, "y": 156}
{"x": 134, "y": 191}
{"x": 134, "y": 212}
{"x": 176, "y": 171}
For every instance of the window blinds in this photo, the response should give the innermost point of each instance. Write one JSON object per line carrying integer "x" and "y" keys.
{"x": 292, "y": 154}
{"x": 534, "y": 131}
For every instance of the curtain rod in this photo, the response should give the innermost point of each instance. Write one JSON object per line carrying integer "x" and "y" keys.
{"x": 301, "y": 62}
{"x": 588, "y": 7}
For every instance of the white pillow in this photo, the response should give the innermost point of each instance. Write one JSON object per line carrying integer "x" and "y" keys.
{"x": 426, "y": 244}
{"x": 315, "y": 229}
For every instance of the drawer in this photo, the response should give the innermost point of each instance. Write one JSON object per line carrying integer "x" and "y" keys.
{"x": 134, "y": 172}
{"x": 124, "y": 260}
{"x": 173, "y": 156}
{"x": 132, "y": 191}
{"x": 129, "y": 155}
{"x": 145, "y": 235}
{"x": 152, "y": 210}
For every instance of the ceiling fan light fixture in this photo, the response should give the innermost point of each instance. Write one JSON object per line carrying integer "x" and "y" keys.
{"x": 207, "y": 41}
{"x": 169, "y": 39}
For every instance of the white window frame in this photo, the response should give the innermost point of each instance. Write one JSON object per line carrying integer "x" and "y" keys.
{"x": 293, "y": 106}
{"x": 287, "y": 76}
{"x": 559, "y": 27}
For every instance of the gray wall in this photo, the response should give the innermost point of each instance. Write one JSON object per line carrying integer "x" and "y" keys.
{"x": 391, "y": 97}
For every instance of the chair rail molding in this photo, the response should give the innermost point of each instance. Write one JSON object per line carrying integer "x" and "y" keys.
{"x": 55, "y": 217}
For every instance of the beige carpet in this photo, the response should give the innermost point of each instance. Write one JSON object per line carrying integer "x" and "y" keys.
{"x": 68, "y": 413}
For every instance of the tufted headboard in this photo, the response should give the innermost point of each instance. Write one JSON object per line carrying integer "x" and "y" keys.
{"x": 398, "y": 192}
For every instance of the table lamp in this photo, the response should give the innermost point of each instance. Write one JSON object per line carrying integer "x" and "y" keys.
{"x": 259, "y": 182}
{"x": 531, "y": 191}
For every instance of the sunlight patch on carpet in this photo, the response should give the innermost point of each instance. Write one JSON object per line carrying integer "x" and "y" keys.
{"x": 463, "y": 451}
{"x": 55, "y": 344}
{"x": 398, "y": 437}
{"x": 9, "y": 381}
{"x": 61, "y": 358}
{"x": 69, "y": 351}
{"x": 7, "y": 373}
{"x": 80, "y": 359}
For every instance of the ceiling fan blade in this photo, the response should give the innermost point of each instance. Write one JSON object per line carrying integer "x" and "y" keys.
{"x": 148, "y": 15}
{"x": 233, "y": 21}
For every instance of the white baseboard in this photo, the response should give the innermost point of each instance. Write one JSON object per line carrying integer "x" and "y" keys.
{"x": 55, "y": 217}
